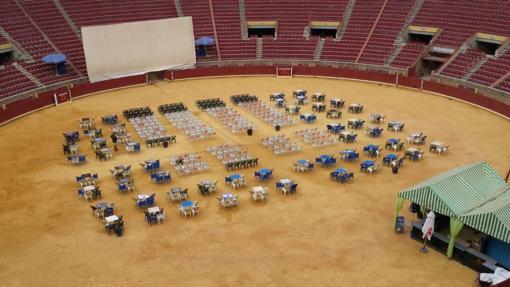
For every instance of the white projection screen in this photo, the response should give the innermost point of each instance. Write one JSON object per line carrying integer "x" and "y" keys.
{"x": 120, "y": 50}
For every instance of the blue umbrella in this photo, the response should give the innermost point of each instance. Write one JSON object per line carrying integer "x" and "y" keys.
{"x": 204, "y": 41}
{"x": 54, "y": 58}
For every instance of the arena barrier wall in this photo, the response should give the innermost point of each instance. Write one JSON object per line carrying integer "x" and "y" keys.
{"x": 220, "y": 72}
{"x": 19, "y": 108}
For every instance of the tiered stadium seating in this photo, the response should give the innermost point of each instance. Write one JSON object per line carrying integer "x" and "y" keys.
{"x": 13, "y": 82}
{"x": 460, "y": 19}
{"x": 382, "y": 40}
{"x": 43, "y": 27}
{"x": 28, "y": 37}
{"x": 226, "y": 14}
{"x": 408, "y": 55}
{"x": 361, "y": 21}
{"x": 463, "y": 63}
{"x": 292, "y": 17}
{"x": 51, "y": 21}
{"x": 504, "y": 86}
{"x": 95, "y": 12}
{"x": 202, "y": 23}
{"x": 492, "y": 70}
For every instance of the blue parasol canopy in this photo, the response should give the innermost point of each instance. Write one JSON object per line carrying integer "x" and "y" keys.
{"x": 54, "y": 58}
{"x": 204, "y": 41}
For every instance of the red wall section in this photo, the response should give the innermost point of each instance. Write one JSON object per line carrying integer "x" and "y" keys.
{"x": 90, "y": 88}
{"x": 26, "y": 105}
{"x": 343, "y": 73}
{"x": 468, "y": 96}
{"x": 220, "y": 71}
{"x": 45, "y": 99}
{"x": 409, "y": 82}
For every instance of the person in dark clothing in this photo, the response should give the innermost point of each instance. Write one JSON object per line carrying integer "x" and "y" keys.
{"x": 114, "y": 140}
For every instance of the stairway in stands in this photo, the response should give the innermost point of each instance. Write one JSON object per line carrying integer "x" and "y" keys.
{"x": 318, "y": 49}
{"x": 242, "y": 18}
{"x": 346, "y": 17}
{"x": 70, "y": 21}
{"x": 260, "y": 49}
{"x": 399, "y": 40}
{"x": 178, "y": 7}
{"x": 23, "y": 53}
{"x": 475, "y": 68}
{"x": 27, "y": 74}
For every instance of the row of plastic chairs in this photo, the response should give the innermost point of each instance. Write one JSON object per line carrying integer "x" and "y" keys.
{"x": 231, "y": 119}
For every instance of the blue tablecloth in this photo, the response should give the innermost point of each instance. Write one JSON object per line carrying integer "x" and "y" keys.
{"x": 264, "y": 170}
{"x": 393, "y": 141}
{"x": 341, "y": 170}
{"x": 187, "y": 203}
{"x": 367, "y": 163}
{"x": 392, "y": 156}
{"x": 302, "y": 161}
{"x": 235, "y": 176}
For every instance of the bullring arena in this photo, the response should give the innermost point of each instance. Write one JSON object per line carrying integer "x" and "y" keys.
{"x": 255, "y": 143}
{"x": 325, "y": 234}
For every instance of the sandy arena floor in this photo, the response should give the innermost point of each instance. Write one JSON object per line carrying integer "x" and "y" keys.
{"x": 327, "y": 235}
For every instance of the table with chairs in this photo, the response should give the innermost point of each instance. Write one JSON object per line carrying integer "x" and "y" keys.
{"x": 334, "y": 113}
{"x": 414, "y": 154}
{"x": 348, "y": 136}
{"x": 417, "y": 138}
{"x": 438, "y": 147}
{"x": 161, "y": 176}
{"x": 325, "y": 160}
{"x": 177, "y": 194}
{"x": 394, "y": 144}
{"x": 154, "y": 215}
{"x": 151, "y": 165}
{"x": 207, "y": 187}
{"x": 373, "y": 132}
{"x": 396, "y": 126}
{"x": 355, "y": 123}
{"x": 308, "y": 117}
{"x": 349, "y": 155}
{"x": 335, "y": 128}
{"x": 372, "y": 150}
{"x": 337, "y": 103}
{"x": 235, "y": 180}
{"x": 259, "y": 193}
{"x": 145, "y": 200}
{"x": 369, "y": 166}
{"x": 341, "y": 175}
{"x": 189, "y": 208}
{"x": 102, "y": 209}
{"x": 302, "y": 165}
{"x": 121, "y": 171}
{"x": 286, "y": 186}
{"x": 376, "y": 118}
{"x": 355, "y": 108}
{"x": 125, "y": 184}
{"x": 228, "y": 200}
{"x": 264, "y": 173}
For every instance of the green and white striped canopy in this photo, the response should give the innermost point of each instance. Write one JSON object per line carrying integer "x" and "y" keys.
{"x": 475, "y": 194}
{"x": 492, "y": 218}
